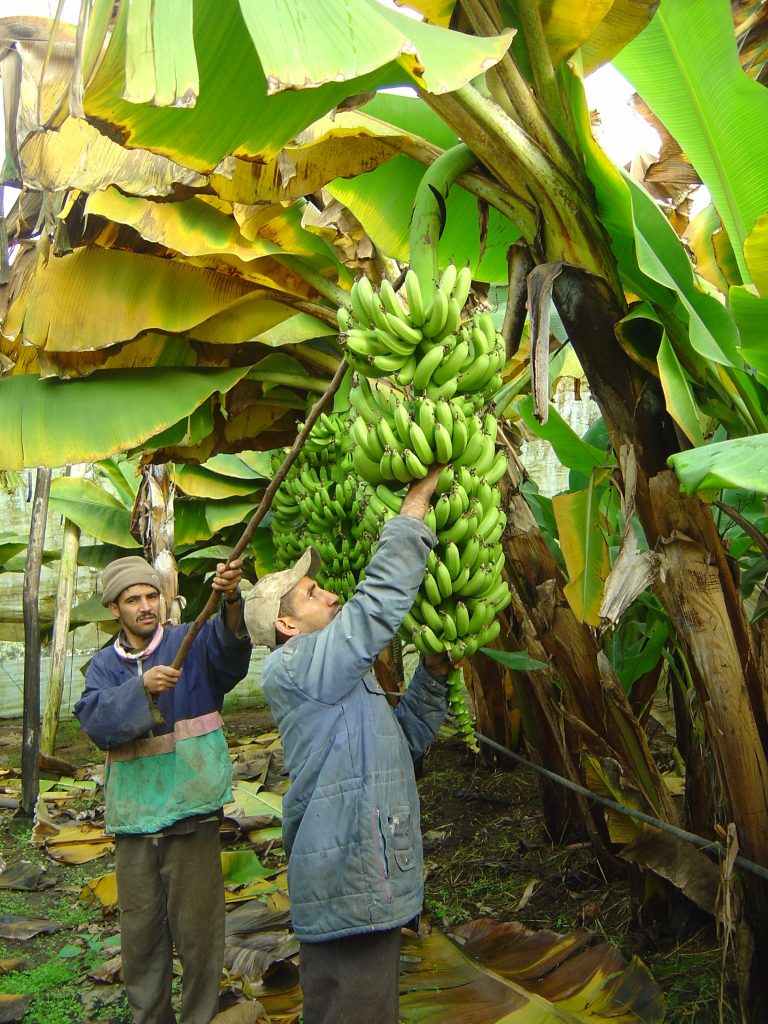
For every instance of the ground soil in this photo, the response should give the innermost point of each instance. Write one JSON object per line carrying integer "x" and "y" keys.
{"x": 487, "y": 853}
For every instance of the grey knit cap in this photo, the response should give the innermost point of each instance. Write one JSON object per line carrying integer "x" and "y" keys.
{"x": 126, "y": 572}
{"x": 262, "y": 605}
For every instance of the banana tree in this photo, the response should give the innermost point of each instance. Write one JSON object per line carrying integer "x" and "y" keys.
{"x": 663, "y": 356}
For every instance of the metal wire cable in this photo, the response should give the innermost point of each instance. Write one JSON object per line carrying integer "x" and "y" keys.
{"x": 630, "y": 812}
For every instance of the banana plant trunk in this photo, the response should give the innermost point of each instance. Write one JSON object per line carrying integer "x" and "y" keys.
{"x": 696, "y": 585}
{"x": 70, "y": 545}
{"x": 30, "y": 752}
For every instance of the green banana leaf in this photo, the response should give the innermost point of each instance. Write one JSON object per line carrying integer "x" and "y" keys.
{"x": 756, "y": 254}
{"x": 199, "y": 520}
{"x": 750, "y": 312}
{"x": 579, "y": 526}
{"x": 369, "y": 197}
{"x": 742, "y": 462}
{"x": 96, "y": 297}
{"x": 652, "y": 261}
{"x": 269, "y": 69}
{"x": 571, "y": 450}
{"x": 715, "y": 111}
{"x": 678, "y": 393}
{"x": 107, "y": 413}
{"x": 96, "y": 511}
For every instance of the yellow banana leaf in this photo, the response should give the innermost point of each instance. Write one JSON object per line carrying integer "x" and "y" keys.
{"x": 568, "y": 26}
{"x": 192, "y": 227}
{"x": 269, "y": 69}
{"x": 624, "y": 20}
{"x": 436, "y": 12}
{"x": 107, "y": 413}
{"x": 149, "y": 350}
{"x": 584, "y": 549}
{"x": 202, "y": 482}
{"x": 341, "y": 145}
{"x": 77, "y": 155}
{"x": 96, "y": 297}
{"x": 102, "y": 889}
{"x": 493, "y": 972}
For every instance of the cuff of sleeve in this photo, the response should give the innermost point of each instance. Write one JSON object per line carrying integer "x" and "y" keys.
{"x": 154, "y": 710}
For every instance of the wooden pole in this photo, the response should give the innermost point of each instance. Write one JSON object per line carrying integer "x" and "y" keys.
{"x": 30, "y": 752}
{"x": 266, "y": 501}
{"x": 70, "y": 545}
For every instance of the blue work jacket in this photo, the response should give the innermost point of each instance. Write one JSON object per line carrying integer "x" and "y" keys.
{"x": 351, "y": 815}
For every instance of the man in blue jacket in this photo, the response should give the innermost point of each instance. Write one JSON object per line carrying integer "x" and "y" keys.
{"x": 351, "y": 815}
{"x": 168, "y": 774}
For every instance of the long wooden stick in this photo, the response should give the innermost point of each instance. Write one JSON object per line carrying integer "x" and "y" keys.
{"x": 213, "y": 601}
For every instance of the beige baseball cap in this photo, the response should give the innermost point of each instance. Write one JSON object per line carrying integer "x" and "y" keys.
{"x": 262, "y": 605}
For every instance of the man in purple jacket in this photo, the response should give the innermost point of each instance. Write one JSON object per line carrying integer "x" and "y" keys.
{"x": 168, "y": 774}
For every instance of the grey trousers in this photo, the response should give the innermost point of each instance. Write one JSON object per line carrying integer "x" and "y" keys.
{"x": 355, "y": 980}
{"x": 171, "y": 893}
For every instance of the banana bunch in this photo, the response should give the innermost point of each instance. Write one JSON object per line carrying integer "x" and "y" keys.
{"x": 425, "y": 373}
{"x": 426, "y": 347}
{"x": 399, "y": 435}
{"x": 322, "y": 503}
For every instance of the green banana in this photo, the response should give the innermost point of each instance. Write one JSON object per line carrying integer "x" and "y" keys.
{"x": 415, "y": 298}
{"x": 404, "y": 375}
{"x": 391, "y": 500}
{"x": 462, "y": 286}
{"x": 419, "y": 444}
{"x": 437, "y": 315}
{"x": 461, "y": 614}
{"x": 365, "y": 343}
{"x": 444, "y": 414}
{"x": 452, "y": 559}
{"x": 457, "y": 531}
{"x": 426, "y": 367}
{"x": 471, "y": 550}
{"x": 431, "y": 589}
{"x": 442, "y": 444}
{"x": 452, "y": 319}
{"x": 392, "y": 343}
{"x": 388, "y": 364}
{"x": 442, "y": 511}
{"x": 414, "y": 465}
{"x": 406, "y": 332}
{"x": 361, "y": 297}
{"x": 478, "y": 374}
{"x": 443, "y": 578}
{"x": 431, "y": 640}
{"x": 386, "y": 434}
{"x": 438, "y": 391}
{"x": 425, "y": 414}
{"x": 389, "y": 299}
{"x": 498, "y": 468}
{"x": 448, "y": 280}
{"x": 485, "y": 460}
{"x": 399, "y": 468}
{"x": 444, "y": 480}
{"x": 431, "y": 616}
{"x": 474, "y": 446}
{"x": 448, "y": 626}
{"x": 402, "y": 422}
{"x": 343, "y": 318}
{"x": 451, "y": 365}
{"x": 459, "y": 437}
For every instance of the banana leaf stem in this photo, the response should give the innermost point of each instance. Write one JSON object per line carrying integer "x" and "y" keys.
{"x": 289, "y": 380}
{"x": 541, "y": 64}
{"x": 331, "y": 291}
{"x": 520, "y": 98}
{"x": 429, "y": 209}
